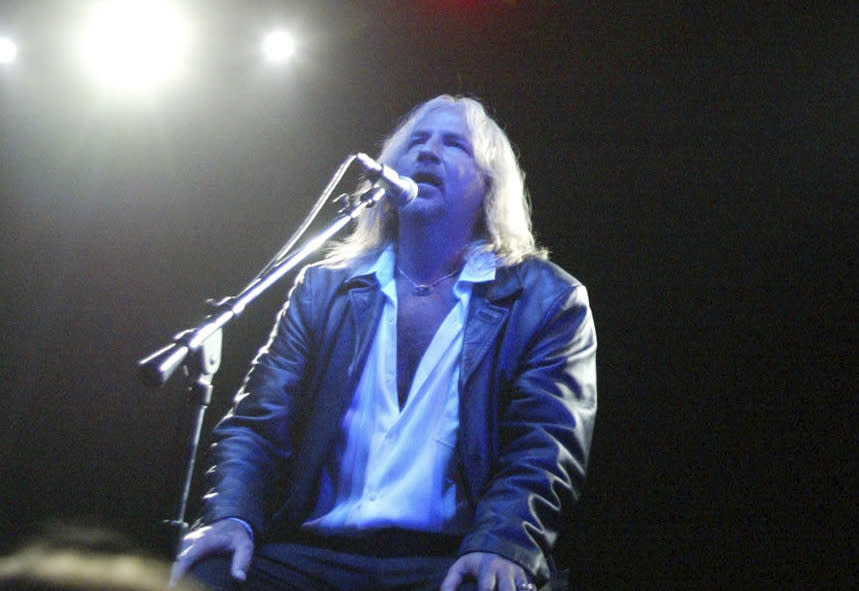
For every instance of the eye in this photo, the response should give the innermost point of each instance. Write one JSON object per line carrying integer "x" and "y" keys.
{"x": 460, "y": 143}
{"x": 416, "y": 140}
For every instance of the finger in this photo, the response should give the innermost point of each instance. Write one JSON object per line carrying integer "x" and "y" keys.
{"x": 241, "y": 561}
{"x": 452, "y": 581}
{"x": 487, "y": 576}
{"x": 185, "y": 560}
{"x": 486, "y": 581}
{"x": 198, "y": 549}
{"x": 508, "y": 582}
{"x": 455, "y": 576}
{"x": 508, "y": 576}
{"x": 178, "y": 570}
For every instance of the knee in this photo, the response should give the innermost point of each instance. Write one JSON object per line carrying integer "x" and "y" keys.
{"x": 214, "y": 573}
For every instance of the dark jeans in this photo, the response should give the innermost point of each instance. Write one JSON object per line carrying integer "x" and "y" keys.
{"x": 398, "y": 561}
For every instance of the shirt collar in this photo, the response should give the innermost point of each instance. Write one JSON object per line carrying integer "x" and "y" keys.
{"x": 479, "y": 267}
{"x": 382, "y": 267}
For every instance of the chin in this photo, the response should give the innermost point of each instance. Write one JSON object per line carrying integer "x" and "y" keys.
{"x": 422, "y": 207}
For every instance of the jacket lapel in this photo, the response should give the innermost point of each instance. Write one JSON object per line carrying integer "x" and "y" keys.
{"x": 351, "y": 348}
{"x": 488, "y": 311}
{"x": 366, "y": 309}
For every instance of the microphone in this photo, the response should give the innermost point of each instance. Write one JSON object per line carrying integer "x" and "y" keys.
{"x": 399, "y": 189}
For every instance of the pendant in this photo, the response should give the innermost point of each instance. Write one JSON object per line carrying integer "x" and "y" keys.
{"x": 423, "y": 290}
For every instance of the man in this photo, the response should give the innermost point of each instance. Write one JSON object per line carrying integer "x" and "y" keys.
{"x": 422, "y": 413}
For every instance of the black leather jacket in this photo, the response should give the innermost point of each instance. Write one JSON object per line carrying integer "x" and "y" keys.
{"x": 527, "y": 406}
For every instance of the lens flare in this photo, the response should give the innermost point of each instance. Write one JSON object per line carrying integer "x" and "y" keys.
{"x": 134, "y": 44}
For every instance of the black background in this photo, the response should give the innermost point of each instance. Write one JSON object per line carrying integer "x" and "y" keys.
{"x": 695, "y": 167}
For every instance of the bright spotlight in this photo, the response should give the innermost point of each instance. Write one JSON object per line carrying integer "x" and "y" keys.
{"x": 8, "y": 50}
{"x": 134, "y": 44}
{"x": 278, "y": 46}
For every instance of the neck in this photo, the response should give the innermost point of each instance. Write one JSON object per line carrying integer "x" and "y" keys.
{"x": 426, "y": 256}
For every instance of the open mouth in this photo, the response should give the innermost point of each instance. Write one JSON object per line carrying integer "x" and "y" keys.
{"x": 427, "y": 178}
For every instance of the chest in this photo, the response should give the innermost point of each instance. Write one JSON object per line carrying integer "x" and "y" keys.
{"x": 418, "y": 320}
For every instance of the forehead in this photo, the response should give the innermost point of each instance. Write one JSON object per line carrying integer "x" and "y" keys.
{"x": 447, "y": 119}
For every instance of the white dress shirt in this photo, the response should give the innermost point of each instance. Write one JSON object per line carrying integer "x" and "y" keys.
{"x": 393, "y": 468}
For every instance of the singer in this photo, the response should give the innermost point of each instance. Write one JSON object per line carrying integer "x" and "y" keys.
{"x": 421, "y": 415}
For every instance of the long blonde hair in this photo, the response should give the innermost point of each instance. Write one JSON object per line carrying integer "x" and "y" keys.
{"x": 505, "y": 228}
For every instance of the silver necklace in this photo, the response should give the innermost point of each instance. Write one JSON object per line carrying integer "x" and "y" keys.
{"x": 425, "y": 289}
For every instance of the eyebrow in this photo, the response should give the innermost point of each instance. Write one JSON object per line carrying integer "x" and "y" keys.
{"x": 446, "y": 135}
{"x": 418, "y": 135}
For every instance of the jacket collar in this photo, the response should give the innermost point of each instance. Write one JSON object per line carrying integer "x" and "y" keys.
{"x": 505, "y": 281}
{"x": 507, "y": 284}
{"x": 479, "y": 268}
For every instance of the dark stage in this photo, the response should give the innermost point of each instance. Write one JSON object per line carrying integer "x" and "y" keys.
{"x": 696, "y": 168}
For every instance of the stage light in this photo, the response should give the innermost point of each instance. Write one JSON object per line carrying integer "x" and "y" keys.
{"x": 134, "y": 44}
{"x": 8, "y": 50}
{"x": 278, "y": 46}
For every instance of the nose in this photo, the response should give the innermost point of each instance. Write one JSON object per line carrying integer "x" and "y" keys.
{"x": 429, "y": 151}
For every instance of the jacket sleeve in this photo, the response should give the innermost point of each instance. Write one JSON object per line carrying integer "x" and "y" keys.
{"x": 545, "y": 425}
{"x": 254, "y": 442}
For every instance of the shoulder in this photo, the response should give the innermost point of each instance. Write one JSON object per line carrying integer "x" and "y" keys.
{"x": 545, "y": 270}
{"x": 324, "y": 279}
{"x": 538, "y": 289}
{"x": 323, "y": 271}
{"x": 540, "y": 277}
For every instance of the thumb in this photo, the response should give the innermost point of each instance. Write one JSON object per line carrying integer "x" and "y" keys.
{"x": 241, "y": 561}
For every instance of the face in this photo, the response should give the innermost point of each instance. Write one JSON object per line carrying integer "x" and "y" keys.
{"x": 439, "y": 156}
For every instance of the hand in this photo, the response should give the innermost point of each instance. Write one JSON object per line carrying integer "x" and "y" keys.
{"x": 221, "y": 537}
{"x": 491, "y": 571}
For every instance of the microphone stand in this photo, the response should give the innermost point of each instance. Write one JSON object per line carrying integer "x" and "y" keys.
{"x": 199, "y": 348}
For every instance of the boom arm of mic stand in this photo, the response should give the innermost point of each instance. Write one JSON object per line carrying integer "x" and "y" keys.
{"x": 157, "y": 368}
